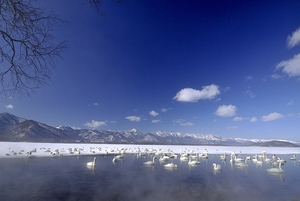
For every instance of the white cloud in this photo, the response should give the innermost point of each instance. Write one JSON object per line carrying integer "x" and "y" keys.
{"x": 10, "y": 106}
{"x": 155, "y": 121}
{"x": 95, "y": 124}
{"x": 178, "y": 121}
{"x": 276, "y": 76}
{"x": 250, "y": 94}
{"x": 193, "y": 95}
{"x": 165, "y": 109}
{"x": 96, "y": 104}
{"x": 226, "y": 89}
{"x": 291, "y": 67}
{"x": 293, "y": 39}
{"x": 231, "y": 128}
{"x": 186, "y": 124}
{"x": 134, "y": 118}
{"x": 248, "y": 78}
{"x": 153, "y": 113}
{"x": 183, "y": 122}
{"x": 290, "y": 103}
{"x": 271, "y": 117}
{"x": 238, "y": 119}
{"x": 226, "y": 111}
{"x": 253, "y": 119}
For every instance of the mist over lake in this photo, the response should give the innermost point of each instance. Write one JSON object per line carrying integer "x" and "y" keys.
{"x": 128, "y": 178}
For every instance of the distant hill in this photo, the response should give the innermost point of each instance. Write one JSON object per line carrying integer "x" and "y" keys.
{"x": 14, "y": 128}
{"x": 275, "y": 143}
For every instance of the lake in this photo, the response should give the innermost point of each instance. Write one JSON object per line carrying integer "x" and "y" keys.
{"x": 68, "y": 178}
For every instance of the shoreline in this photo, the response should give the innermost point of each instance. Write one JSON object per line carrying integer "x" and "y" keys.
{"x": 20, "y": 149}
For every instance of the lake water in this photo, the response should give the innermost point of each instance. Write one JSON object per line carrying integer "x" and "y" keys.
{"x": 68, "y": 178}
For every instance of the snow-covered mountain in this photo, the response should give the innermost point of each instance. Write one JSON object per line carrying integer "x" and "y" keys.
{"x": 14, "y": 128}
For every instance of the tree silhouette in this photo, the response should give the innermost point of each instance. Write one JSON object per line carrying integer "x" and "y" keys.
{"x": 28, "y": 47}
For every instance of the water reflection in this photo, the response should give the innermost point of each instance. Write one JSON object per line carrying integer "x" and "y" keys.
{"x": 69, "y": 178}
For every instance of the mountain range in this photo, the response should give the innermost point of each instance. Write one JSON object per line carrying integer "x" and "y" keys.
{"x": 13, "y": 128}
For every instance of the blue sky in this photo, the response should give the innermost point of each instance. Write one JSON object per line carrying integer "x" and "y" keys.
{"x": 229, "y": 68}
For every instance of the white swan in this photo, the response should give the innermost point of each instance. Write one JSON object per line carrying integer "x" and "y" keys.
{"x": 193, "y": 162}
{"x": 150, "y": 162}
{"x": 217, "y": 167}
{"x": 259, "y": 162}
{"x": 184, "y": 158}
{"x": 92, "y": 164}
{"x": 204, "y": 155}
{"x": 254, "y": 160}
{"x": 170, "y": 165}
{"x": 267, "y": 160}
{"x": 231, "y": 159}
{"x": 241, "y": 164}
{"x": 275, "y": 170}
{"x": 164, "y": 158}
{"x": 223, "y": 157}
{"x": 293, "y": 157}
{"x": 238, "y": 160}
{"x": 30, "y": 156}
{"x": 119, "y": 156}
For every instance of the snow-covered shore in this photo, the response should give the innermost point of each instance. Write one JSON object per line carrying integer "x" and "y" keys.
{"x": 20, "y": 149}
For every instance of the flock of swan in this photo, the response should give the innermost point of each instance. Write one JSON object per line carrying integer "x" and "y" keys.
{"x": 194, "y": 160}
{"x": 164, "y": 157}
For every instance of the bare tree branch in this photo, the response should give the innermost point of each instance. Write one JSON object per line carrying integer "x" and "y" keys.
{"x": 28, "y": 48}
{"x": 96, "y": 5}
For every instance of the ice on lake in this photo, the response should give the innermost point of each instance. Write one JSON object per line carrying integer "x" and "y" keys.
{"x": 67, "y": 176}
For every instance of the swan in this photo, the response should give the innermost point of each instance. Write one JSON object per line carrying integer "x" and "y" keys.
{"x": 92, "y": 164}
{"x": 217, "y": 167}
{"x": 30, "y": 156}
{"x": 231, "y": 159}
{"x": 254, "y": 160}
{"x": 119, "y": 156}
{"x": 170, "y": 165}
{"x": 267, "y": 160}
{"x": 223, "y": 157}
{"x": 204, "y": 155}
{"x": 293, "y": 157}
{"x": 150, "y": 162}
{"x": 164, "y": 158}
{"x": 184, "y": 158}
{"x": 193, "y": 162}
{"x": 240, "y": 164}
{"x": 114, "y": 160}
{"x": 238, "y": 159}
{"x": 275, "y": 170}
{"x": 259, "y": 162}
{"x": 279, "y": 160}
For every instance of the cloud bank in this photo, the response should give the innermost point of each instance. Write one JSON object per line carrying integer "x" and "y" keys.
{"x": 193, "y": 95}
